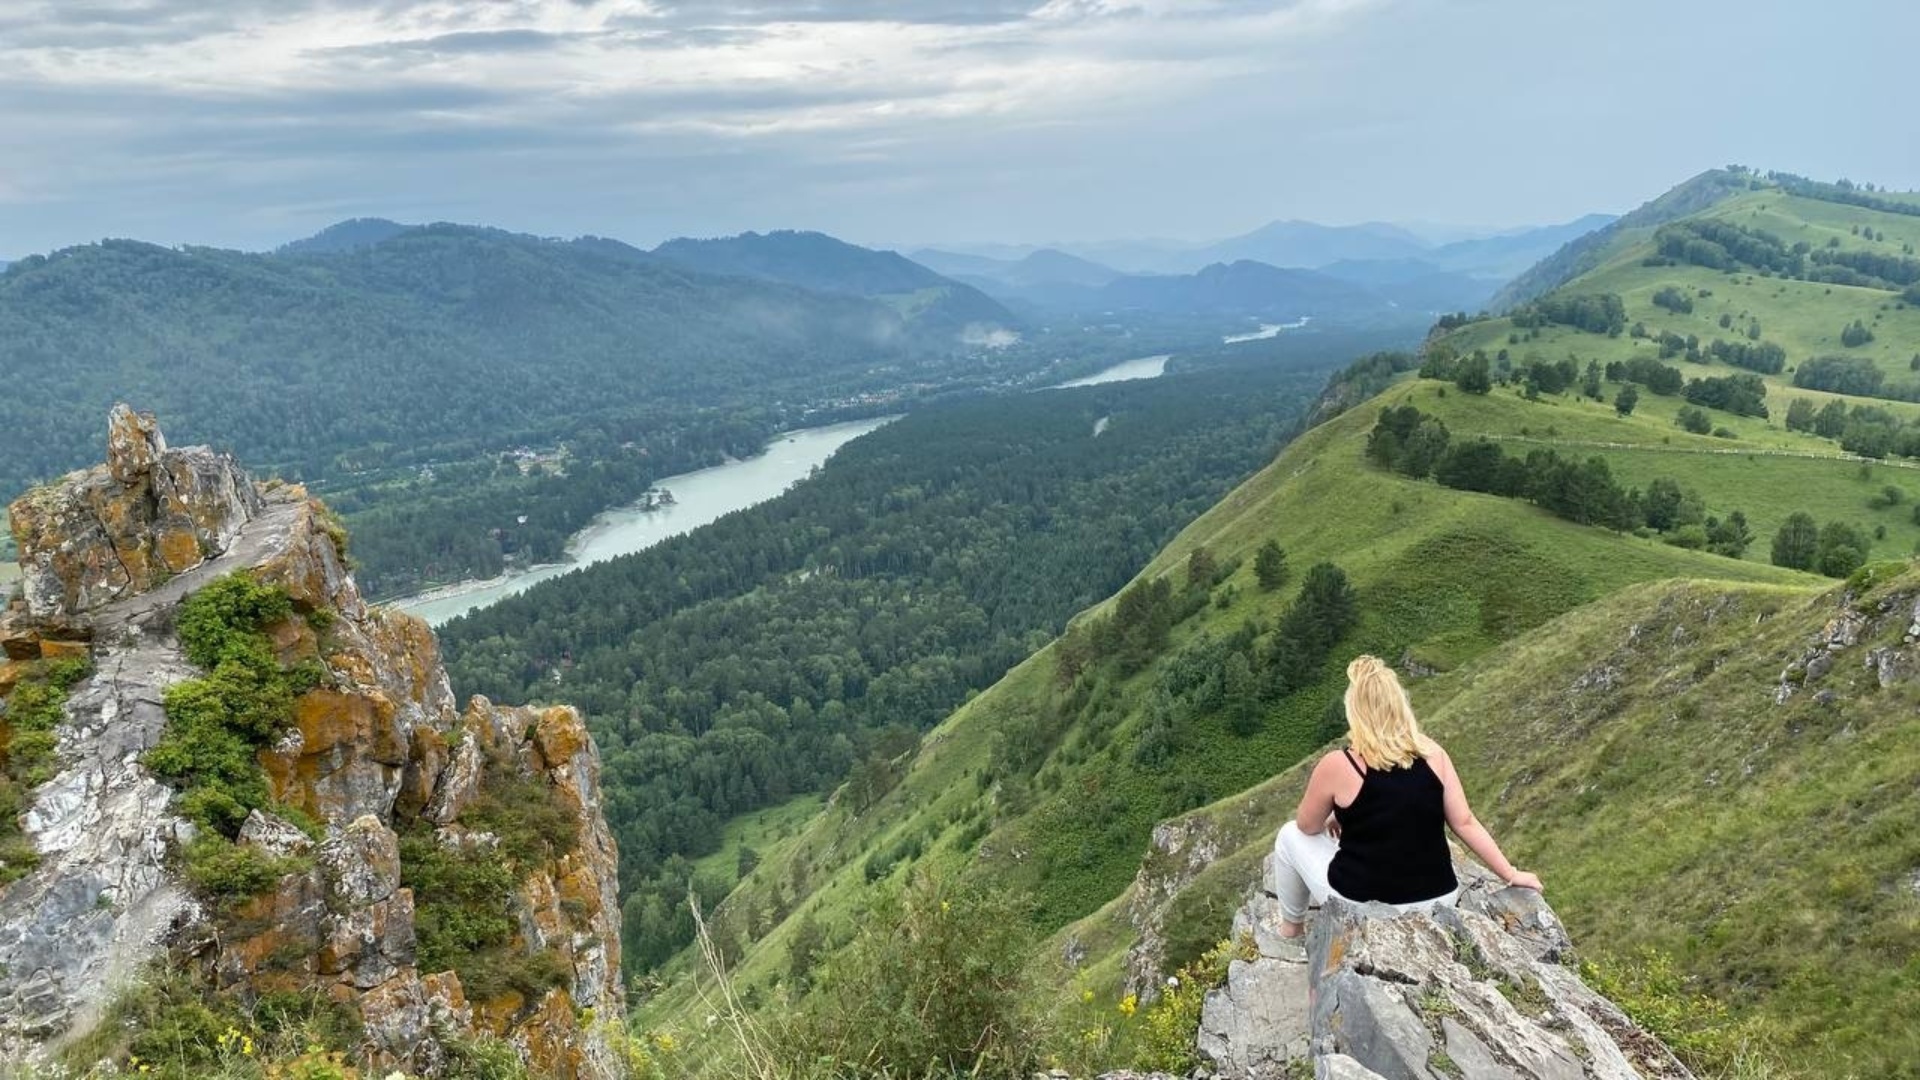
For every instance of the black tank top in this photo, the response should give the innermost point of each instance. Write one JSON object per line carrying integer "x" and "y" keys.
{"x": 1393, "y": 839}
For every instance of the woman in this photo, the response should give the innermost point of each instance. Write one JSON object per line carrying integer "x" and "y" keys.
{"x": 1372, "y": 825}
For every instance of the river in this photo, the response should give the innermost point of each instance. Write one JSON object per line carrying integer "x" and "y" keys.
{"x": 698, "y": 498}
{"x": 1146, "y": 367}
{"x": 1267, "y": 330}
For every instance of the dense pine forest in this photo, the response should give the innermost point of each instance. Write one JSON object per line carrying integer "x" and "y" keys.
{"x": 813, "y": 637}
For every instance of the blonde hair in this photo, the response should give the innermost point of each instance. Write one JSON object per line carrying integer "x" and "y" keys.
{"x": 1380, "y": 721}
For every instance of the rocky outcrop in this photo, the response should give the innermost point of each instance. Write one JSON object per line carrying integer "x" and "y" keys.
{"x": 1480, "y": 991}
{"x": 119, "y": 529}
{"x": 379, "y": 749}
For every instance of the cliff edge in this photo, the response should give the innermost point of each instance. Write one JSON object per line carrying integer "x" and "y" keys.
{"x": 440, "y": 874}
{"x": 1480, "y": 991}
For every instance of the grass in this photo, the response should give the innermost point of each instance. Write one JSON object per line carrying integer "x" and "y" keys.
{"x": 1673, "y": 806}
{"x": 1768, "y": 473}
{"x": 762, "y": 831}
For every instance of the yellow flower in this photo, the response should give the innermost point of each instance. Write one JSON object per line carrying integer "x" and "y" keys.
{"x": 665, "y": 1042}
{"x": 1128, "y": 1004}
{"x": 1086, "y": 997}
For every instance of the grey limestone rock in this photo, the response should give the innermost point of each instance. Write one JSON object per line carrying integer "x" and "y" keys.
{"x": 1479, "y": 991}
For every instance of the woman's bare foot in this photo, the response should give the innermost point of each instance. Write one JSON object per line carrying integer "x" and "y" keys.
{"x": 1291, "y": 929}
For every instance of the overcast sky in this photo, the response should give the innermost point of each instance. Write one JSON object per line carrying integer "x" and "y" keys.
{"x": 249, "y": 122}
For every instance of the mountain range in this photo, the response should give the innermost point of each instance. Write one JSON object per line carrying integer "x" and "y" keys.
{"x": 1399, "y": 268}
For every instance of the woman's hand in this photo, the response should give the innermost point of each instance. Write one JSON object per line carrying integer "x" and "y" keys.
{"x": 1333, "y": 827}
{"x": 1524, "y": 880}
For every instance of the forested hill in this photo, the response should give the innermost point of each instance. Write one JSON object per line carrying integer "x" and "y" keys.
{"x": 787, "y": 646}
{"x": 818, "y": 261}
{"x": 397, "y": 370}
{"x": 438, "y": 341}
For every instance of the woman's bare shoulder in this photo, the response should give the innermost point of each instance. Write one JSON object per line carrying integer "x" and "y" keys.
{"x": 1333, "y": 757}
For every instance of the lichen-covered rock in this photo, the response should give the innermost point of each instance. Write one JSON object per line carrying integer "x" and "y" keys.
{"x": 125, "y": 527}
{"x": 1479, "y": 991}
{"x": 1395, "y": 992}
{"x": 378, "y": 748}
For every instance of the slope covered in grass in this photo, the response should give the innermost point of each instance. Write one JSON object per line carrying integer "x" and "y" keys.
{"x": 1804, "y": 318}
{"x": 1041, "y": 783}
{"x": 1130, "y": 792}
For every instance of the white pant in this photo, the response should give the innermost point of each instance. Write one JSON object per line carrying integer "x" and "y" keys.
{"x": 1300, "y": 873}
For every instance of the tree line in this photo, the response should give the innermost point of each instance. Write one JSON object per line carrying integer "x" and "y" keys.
{"x": 1417, "y": 444}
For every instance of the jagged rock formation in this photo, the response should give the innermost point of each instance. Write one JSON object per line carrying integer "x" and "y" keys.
{"x": 1481, "y": 991}
{"x": 380, "y": 748}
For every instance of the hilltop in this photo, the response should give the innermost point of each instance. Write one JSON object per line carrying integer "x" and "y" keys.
{"x": 817, "y": 261}
{"x": 1811, "y": 289}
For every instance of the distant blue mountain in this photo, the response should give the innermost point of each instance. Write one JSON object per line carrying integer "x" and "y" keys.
{"x": 816, "y": 261}
{"x": 1047, "y": 266}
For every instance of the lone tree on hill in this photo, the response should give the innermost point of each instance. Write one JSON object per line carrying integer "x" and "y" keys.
{"x": 1797, "y": 541}
{"x": 1270, "y": 566}
{"x": 1202, "y": 570}
{"x": 1626, "y": 399}
{"x": 1841, "y": 550}
{"x": 1475, "y": 375}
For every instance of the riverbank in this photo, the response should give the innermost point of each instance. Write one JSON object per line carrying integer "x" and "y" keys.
{"x": 698, "y": 498}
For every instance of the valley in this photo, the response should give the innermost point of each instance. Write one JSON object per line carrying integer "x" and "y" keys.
{"x": 1046, "y": 630}
{"x": 697, "y": 499}
{"x": 1562, "y": 656}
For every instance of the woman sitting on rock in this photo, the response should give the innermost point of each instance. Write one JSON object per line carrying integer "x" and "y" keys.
{"x": 1373, "y": 823}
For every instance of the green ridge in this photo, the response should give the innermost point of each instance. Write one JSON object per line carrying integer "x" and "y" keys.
{"x": 1637, "y": 802}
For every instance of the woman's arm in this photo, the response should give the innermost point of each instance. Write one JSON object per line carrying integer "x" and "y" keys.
{"x": 1467, "y": 827}
{"x": 1316, "y": 806}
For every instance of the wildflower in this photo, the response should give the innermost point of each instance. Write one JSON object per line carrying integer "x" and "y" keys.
{"x": 1086, "y": 997}
{"x": 1129, "y": 1004}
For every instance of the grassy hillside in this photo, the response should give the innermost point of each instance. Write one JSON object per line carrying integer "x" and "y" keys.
{"x": 1804, "y": 318}
{"x": 1610, "y": 696}
{"x": 1039, "y": 785}
{"x": 1636, "y": 752}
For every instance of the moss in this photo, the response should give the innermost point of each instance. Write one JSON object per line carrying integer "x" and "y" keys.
{"x": 335, "y": 530}
{"x": 229, "y": 873}
{"x": 29, "y": 723}
{"x": 217, "y": 725}
{"x": 460, "y": 919}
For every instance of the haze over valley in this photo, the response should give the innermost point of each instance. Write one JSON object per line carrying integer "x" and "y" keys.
{"x": 695, "y": 539}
